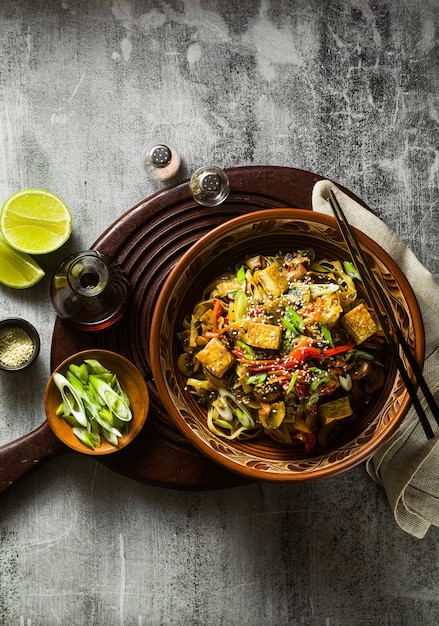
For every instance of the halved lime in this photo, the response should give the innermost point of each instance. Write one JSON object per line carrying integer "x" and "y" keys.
{"x": 17, "y": 270}
{"x": 35, "y": 221}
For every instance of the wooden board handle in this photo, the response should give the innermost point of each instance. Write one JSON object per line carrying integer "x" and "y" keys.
{"x": 25, "y": 454}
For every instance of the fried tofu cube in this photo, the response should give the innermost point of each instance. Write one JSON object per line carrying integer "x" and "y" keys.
{"x": 226, "y": 287}
{"x": 359, "y": 323}
{"x": 272, "y": 280}
{"x": 216, "y": 358}
{"x": 264, "y": 336}
{"x": 335, "y": 410}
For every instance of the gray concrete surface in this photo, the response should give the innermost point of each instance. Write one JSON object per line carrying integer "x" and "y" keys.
{"x": 348, "y": 89}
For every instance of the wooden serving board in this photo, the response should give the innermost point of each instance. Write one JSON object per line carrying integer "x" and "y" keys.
{"x": 147, "y": 241}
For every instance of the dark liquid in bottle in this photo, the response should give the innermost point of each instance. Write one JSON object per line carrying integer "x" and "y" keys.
{"x": 89, "y": 292}
{"x": 89, "y": 280}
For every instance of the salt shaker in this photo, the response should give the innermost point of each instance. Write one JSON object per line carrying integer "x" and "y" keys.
{"x": 209, "y": 186}
{"x": 161, "y": 161}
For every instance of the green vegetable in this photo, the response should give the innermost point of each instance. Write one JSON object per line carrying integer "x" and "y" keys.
{"x": 319, "y": 380}
{"x": 327, "y": 335}
{"x": 223, "y": 424}
{"x": 245, "y": 418}
{"x": 71, "y": 399}
{"x": 110, "y": 437}
{"x": 102, "y": 420}
{"x": 80, "y": 371}
{"x": 93, "y": 403}
{"x": 241, "y": 304}
{"x": 240, "y": 274}
{"x": 248, "y": 350}
{"x": 323, "y": 289}
{"x": 90, "y": 404}
{"x": 292, "y": 381}
{"x": 94, "y": 367}
{"x": 362, "y": 355}
{"x": 312, "y": 399}
{"x": 89, "y": 438}
{"x": 110, "y": 398}
{"x": 351, "y": 270}
{"x": 346, "y": 382}
{"x": 256, "y": 379}
{"x": 227, "y": 406}
{"x": 293, "y": 321}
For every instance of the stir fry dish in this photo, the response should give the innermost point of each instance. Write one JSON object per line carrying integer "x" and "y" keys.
{"x": 283, "y": 346}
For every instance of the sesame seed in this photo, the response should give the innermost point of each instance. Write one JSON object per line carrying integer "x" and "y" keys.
{"x": 16, "y": 346}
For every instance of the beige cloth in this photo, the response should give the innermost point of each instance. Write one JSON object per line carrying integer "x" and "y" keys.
{"x": 408, "y": 465}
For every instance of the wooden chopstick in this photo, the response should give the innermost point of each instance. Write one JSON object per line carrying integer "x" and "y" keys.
{"x": 375, "y": 292}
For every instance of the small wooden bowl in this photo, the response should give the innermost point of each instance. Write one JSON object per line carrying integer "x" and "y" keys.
{"x": 131, "y": 381}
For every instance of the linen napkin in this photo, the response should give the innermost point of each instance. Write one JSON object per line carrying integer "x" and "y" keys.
{"x": 407, "y": 466}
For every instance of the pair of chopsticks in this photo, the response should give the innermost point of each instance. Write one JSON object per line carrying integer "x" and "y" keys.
{"x": 377, "y": 298}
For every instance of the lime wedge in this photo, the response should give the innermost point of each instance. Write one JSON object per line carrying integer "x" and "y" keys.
{"x": 17, "y": 270}
{"x": 35, "y": 221}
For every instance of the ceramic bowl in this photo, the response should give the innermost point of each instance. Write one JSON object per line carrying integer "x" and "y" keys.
{"x": 268, "y": 232}
{"x": 131, "y": 381}
{"x": 17, "y": 335}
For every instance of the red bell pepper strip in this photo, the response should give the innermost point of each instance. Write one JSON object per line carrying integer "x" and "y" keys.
{"x": 297, "y": 357}
{"x": 239, "y": 353}
{"x": 308, "y": 439}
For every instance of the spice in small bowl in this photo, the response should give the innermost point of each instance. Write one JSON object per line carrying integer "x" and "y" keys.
{"x": 19, "y": 344}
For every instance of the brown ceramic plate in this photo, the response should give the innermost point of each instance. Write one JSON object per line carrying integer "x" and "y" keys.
{"x": 131, "y": 381}
{"x": 268, "y": 232}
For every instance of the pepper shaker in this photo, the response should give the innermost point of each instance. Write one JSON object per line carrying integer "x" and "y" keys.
{"x": 161, "y": 161}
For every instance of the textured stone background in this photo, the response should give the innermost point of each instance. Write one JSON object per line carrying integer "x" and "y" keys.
{"x": 347, "y": 89}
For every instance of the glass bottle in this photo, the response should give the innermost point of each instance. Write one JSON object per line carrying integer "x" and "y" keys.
{"x": 89, "y": 291}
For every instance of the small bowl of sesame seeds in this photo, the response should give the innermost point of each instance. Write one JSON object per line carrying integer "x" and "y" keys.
{"x": 19, "y": 344}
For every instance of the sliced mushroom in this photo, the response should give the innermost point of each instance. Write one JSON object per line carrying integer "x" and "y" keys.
{"x": 362, "y": 369}
{"x": 275, "y": 417}
{"x": 374, "y": 380}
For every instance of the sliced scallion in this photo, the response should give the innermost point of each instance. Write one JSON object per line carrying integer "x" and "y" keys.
{"x": 346, "y": 382}
{"x": 292, "y": 382}
{"x": 327, "y": 335}
{"x": 89, "y": 438}
{"x": 240, "y": 274}
{"x": 351, "y": 270}
{"x": 71, "y": 399}
{"x": 256, "y": 379}
{"x": 93, "y": 403}
{"x": 324, "y": 289}
{"x": 293, "y": 321}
